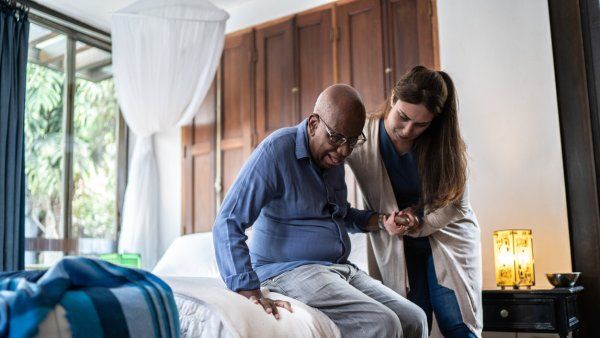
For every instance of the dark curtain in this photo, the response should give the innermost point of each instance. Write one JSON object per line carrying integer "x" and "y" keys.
{"x": 14, "y": 36}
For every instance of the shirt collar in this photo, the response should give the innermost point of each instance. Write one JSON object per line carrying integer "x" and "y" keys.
{"x": 302, "y": 150}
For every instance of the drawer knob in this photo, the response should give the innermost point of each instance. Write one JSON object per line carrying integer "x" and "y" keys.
{"x": 503, "y": 313}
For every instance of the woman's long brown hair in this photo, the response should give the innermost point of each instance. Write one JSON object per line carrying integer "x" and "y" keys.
{"x": 441, "y": 152}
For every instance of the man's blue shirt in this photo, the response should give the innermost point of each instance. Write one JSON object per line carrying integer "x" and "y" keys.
{"x": 299, "y": 213}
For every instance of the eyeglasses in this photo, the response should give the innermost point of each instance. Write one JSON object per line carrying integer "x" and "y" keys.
{"x": 337, "y": 139}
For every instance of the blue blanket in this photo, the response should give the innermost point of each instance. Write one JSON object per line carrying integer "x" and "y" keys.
{"x": 100, "y": 299}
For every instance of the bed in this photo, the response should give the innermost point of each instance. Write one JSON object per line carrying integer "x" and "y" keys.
{"x": 208, "y": 309}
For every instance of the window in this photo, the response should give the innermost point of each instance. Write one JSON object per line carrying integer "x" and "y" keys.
{"x": 94, "y": 150}
{"x": 72, "y": 143}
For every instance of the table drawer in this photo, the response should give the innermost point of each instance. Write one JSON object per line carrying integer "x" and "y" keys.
{"x": 520, "y": 315}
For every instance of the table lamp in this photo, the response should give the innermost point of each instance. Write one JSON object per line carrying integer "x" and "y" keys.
{"x": 513, "y": 256}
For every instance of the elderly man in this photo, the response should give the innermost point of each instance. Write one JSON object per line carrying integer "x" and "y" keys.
{"x": 292, "y": 191}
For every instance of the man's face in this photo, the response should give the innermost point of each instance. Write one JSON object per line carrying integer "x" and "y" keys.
{"x": 325, "y": 154}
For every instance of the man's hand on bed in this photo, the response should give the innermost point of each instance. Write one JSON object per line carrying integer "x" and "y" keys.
{"x": 270, "y": 305}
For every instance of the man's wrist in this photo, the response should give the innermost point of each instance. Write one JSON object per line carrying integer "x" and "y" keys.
{"x": 251, "y": 293}
{"x": 381, "y": 221}
{"x": 371, "y": 224}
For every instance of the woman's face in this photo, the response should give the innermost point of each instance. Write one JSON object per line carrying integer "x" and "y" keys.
{"x": 407, "y": 121}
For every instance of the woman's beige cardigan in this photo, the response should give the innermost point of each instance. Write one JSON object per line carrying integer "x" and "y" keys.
{"x": 453, "y": 233}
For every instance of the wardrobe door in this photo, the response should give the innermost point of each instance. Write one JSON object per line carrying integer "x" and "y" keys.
{"x": 274, "y": 78}
{"x": 237, "y": 72}
{"x": 410, "y": 35}
{"x": 361, "y": 55}
{"x": 314, "y": 58}
{"x": 198, "y": 138}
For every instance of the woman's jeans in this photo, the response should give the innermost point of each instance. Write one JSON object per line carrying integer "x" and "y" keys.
{"x": 428, "y": 294}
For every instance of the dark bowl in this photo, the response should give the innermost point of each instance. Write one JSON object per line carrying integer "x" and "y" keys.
{"x": 563, "y": 280}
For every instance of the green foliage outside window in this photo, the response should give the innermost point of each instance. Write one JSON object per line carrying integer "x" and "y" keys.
{"x": 43, "y": 148}
{"x": 94, "y": 154}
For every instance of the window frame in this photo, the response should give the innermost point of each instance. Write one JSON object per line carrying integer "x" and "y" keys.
{"x": 74, "y": 31}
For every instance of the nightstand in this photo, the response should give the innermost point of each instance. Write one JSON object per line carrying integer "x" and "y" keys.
{"x": 548, "y": 311}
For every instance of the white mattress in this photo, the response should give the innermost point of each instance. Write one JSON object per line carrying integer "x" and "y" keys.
{"x": 208, "y": 309}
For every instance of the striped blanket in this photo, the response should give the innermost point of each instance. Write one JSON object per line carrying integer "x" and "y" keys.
{"x": 100, "y": 299}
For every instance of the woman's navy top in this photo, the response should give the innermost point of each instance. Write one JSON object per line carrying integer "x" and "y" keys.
{"x": 404, "y": 176}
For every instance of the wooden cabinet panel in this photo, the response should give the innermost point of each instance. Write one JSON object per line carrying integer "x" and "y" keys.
{"x": 361, "y": 55}
{"x": 314, "y": 55}
{"x": 233, "y": 160}
{"x": 203, "y": 187}
{"x": 237, "y": 74}
{"x": 409, "y": 36}
{"x": 274, "y": 78}
{"x": 198, "y": 138}
{"x": 237, "y": 104}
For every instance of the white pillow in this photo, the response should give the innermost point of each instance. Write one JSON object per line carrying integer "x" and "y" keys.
{"x": 189, "y": 256}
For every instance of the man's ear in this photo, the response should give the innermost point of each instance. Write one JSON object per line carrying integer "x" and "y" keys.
{"x": 313, "y": 122}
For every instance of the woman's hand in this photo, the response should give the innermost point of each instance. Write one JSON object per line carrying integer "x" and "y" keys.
{"x": 408, "y": 218}
{"x": 393, "y": 226}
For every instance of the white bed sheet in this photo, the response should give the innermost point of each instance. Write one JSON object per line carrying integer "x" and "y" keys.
{"x": 198, "y": 320}
{"x": 208, "y": 309}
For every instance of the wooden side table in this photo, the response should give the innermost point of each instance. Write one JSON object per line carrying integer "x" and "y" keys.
{"x": 547, "y": 311}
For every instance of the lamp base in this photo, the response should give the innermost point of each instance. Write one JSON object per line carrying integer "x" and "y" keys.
{"x": 515, "y": 287}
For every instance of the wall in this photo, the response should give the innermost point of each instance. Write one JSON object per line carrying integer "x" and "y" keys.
{"x": 501, "y": 60}
{"x": 258, "y": 11}
{"x": 500, "y": 57}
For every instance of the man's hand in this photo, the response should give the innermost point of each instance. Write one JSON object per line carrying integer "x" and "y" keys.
{"x": 270, "y": 305}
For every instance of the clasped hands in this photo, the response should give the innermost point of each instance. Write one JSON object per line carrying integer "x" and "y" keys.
{"x": 400, "y": 222}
